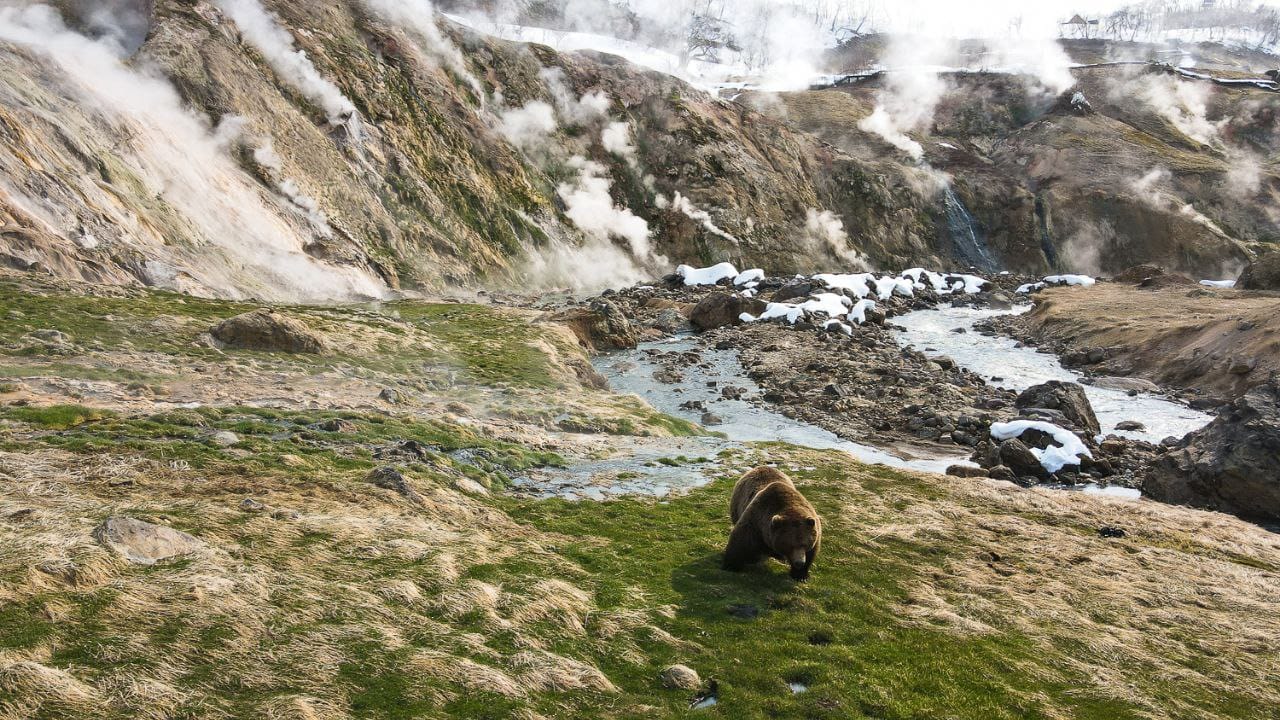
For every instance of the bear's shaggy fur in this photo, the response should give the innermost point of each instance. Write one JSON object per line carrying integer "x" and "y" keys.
{"x": 770, "y": 517}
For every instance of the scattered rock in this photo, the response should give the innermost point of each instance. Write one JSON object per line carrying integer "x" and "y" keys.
{"x": 966, "y": 471}
{"x": 391, "y": 396}
{"x": 1107, "y": 531}
{"x": 720, "y": 309}
{"x": 1002, "y": 472}
{"x": 143, "y": 543}
{"x": 390, "y": 478}
{"x": 270, "y": 331}
{"x": 1015, "y": 455}
{"x": 599, "y": 326}
{"x": 1064, "y": 397}
{"x": 1130, "y": 426}
{"x": 793, "y": 291}
{"x": 710, "y": 418}
{"x": 224, "y": 438}
{"x": 251, "y": 505}
{"x": 680, "y": 677}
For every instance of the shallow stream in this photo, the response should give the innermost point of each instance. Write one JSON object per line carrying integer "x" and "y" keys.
{"x": 661, "y": 466}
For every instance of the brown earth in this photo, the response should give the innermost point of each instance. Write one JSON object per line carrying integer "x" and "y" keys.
{"x": 1207, "y": 341}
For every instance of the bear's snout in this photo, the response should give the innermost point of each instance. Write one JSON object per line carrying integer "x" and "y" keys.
{"x": 799, "y": 571}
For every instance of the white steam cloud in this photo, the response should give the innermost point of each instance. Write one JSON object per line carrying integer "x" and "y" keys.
{"x": 529, "y": 127}
{"x": 418, "y": 17}
{"x": 683, "y": 205}
{"x": 182, "y": 162}
{"x": 590, "y": 207}
{"x": 265, "y": 34}
{"x": 823, "y": 231}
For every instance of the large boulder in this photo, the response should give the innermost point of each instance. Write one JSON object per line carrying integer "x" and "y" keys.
{"x": 1262, "y": 274}
{"x": 1231, "y": 465}
{"x": 268, "y": 330}
{"x": 143, "y": 543}
{"x": 599, "y": 326}
{"x": 720, "y": 309}
{"x": 1065, "y": 398}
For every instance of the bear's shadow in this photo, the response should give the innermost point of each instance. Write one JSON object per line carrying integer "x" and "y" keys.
{"x": 711, "y": 594}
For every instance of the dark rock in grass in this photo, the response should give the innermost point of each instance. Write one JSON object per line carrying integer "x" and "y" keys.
{"x": 390, "y": 478}
{"x": 270, "y": 331}
{"x": 1108, "y": 531}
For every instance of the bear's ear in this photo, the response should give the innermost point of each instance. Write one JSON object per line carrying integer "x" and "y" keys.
{"x": 810, "y": 522}
{"x": 776, "y": 520}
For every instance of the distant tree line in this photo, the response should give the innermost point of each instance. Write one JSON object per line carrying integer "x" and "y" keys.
{"x": 1243, "y": 21}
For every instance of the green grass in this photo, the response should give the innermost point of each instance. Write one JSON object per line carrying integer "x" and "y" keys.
{"x": 56, "y": 417}
{"x": 840, "y": 633}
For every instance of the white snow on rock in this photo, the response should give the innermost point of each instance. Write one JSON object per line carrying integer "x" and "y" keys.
{"x": 1219, "y": 283}
{"x": 706, "y": 276}
{"x": 859, "y": 312}
{"x": 749, "y": 276}
{"x": 1057, "y": 281}
{"x": 1076, "y": 280}
{"x": 825, "y": 308}
{"x": 945, "y": 284}
{"x": 1069, "y": 449}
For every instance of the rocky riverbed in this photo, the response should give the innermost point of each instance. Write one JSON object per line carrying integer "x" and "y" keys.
{"x": 866, "y": 384}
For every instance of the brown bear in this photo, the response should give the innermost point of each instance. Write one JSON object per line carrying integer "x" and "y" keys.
{"x": 770, "y": 517}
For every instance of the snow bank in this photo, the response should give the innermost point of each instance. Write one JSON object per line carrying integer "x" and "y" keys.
{"x": 707, "y": 276}
{"x": 749, "y": 276}
{"x": 1053, "y": 459}
{"x": 1219, "y": 283}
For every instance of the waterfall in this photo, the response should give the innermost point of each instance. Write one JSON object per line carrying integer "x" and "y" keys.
{"x": 965, "y": 233}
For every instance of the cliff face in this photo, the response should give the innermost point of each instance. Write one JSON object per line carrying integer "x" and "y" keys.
{"x": 1148, "y": 167}
{"x": 386, "y": 157}
{"x": 313, "y": 150}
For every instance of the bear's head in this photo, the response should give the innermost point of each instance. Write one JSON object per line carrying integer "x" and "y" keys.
{"x": 794, "y": 535}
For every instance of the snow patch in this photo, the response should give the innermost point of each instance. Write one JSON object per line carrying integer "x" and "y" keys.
{"x": 1067, "y": 452}
{"x": 706, "y": 276}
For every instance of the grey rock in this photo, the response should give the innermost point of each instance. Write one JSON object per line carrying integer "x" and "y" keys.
{"x": 270, "y": 331}
{"x": 1064, "y": 397}
{"x": 1229, "y": 465}
{"x": 143, "y": 543}
{"x": 224, "y": 438}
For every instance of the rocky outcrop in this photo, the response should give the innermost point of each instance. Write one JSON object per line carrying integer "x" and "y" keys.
{"x": 268, "y": 330}
{"x": 720, "y": 309}
{"x": 1262, "y": 274}
{"x": 1065, "y": 399}
{"x": 143, "y": 543}
{"x": 1231, "y": 465}
{"x": 600, "y": 326}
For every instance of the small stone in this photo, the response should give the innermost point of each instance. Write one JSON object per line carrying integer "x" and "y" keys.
{"x": 224, "y": 438}
{"x": 251, "y": 505}
{"x": 391, "y": 396}
{"x": 709, "y": 418}
{"x": 1108, "y": 531}
{"x": 966, "y": 471}
{"x": 681, "y": 677}
{"x": 1130, "y": 426}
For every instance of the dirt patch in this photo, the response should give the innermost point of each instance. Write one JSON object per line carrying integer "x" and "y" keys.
{"x": 1209, "y": 342}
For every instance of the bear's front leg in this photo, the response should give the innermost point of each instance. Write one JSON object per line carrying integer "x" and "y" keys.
{"x": 743, "y": 549}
